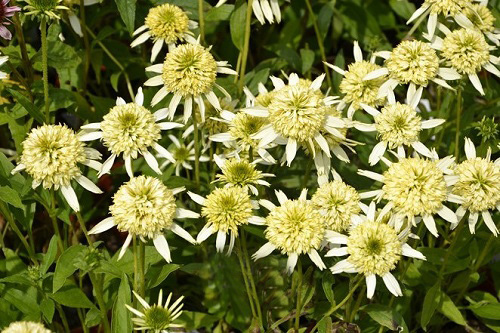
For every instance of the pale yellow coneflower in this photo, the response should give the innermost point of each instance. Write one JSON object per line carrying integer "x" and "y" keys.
{"x": 51, "y": 156}
{"x": 144, "y": 207}
{"x": 374, "y": 248}
{"x": 484, "y": 21}
{"x": 188, "y": 73}
{"x": 416, "y": 187}
{"x": 183, "y": 154}
{"x": 294, "y": 227}
{"x": 165, "y": 24}
{"x": 131, "y": 129}
{"x": 479, "y": 187}
{"x": 398, "y": 125}
{"x": 159, "y": 317}
{"x": 25, "y": 327}
{"x": 225, "y": 210}
{"x": 355, "y": 89}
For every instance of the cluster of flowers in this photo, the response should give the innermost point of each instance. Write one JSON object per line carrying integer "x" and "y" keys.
{"x": 296, "y": 114}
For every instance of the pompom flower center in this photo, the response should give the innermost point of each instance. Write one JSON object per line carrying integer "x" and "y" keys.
{"x": 465, "y": 50}
{"x": 446, "y": 7}
{"x": 143, "y": 206}
{"x": 167, "y": 22}
{"x": 51, "y": 154}
{"x": 398, "y": 124}
{"x": 189, "y": 70}
{"x": 374, "y": 248}
{"x": 295, "y": 227}
{"x": 415, "y": 186}
{"x": 481, "y": 17}
{"x": 157, "y": 318}
{"x": 239, "y": 172}
{"x": 357, "y": 90}
{"x": 227, "y": 208}
{"x": 129, "y": 129}
{"x": 413, "y": 62}
{"x": 243, "y": 126}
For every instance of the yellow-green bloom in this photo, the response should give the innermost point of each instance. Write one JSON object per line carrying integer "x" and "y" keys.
{"x": 374, "y": 248}
{"x": 479, "y": 187}
{"x": 159, "y": 317}
{"x": 131, "y": 129}
{"x": 183, "y": 154}
{"x": 225, "y": 209}
{"x": 294, "y": 227}
{"x": 25, "y": 327}
{"x": 144, "y": 207}
{"x": 165, "y": 24}
{"x": 52, "y": 155}
{"x": 44, "y": 8}
{"x": 484, "y": 21}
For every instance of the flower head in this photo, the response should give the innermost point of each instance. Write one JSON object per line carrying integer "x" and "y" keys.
{"x": 51, "y": 156}
{"x": 225, "y": 209}
{"x": 5, "y": 13}
{"x": 295, "y": 227}
{"x": 484, "y": 21}
{"x": 374, "y": 248}
{"x": 417, "y": 187}
{"x": 144, "y": 207}
{"x": 25, "y": 327}
{"x": 478, "y": 186}
{"x": 263, "y": 10}
{"x": 47, "y": 8}
{"x": 131, "y": 129}
{"x": 446, "y": 7}
{"x": 165, "y": 24}
{"x": 183, "y": 154}
{"x": 158, "y": 317}
{"x": 338, "y": 203}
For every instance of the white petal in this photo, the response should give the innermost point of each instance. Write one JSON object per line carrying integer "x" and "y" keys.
{"x": 161, "y": 245}
{"x": 421, "y": 149}
{"x": 220, "y": 241}
{"x": 179, "y": 231}
{"x": 163, "y": 152}
{"x": 291, "y": 262}
{"x": 172, "y": 106}
{"x": 392, "y": 284}
{"x": 335, "y": 68}
{"x": 431, "y": 123}
{"x": 335, "y": 237}
{"x": 151, "y": 161}
{"x": 141, "y": 39}
{"x": 430, "y": 224}
{"x": 70, "y": 196}
{"x": 182, "y": 213}
{"x": 432, "y": 23}
{"x": 447, "y": 214}
{"x": 473, "y": 217}
{"x": 492, "y": 69}
{"x": 18, "y": 168}
{"x": 337, "y": 252}
{"x": 156, "y": 49}
{"x": 102, "y": 226}
{"x": 160, "y": 95}
{"x": 158, "y": 68}
{"x": 258, "y": 12}
{"x": 125, "y": 246}
{"x": 463, "y": 21}
{"x": 221, "y": 137}
{"x": 417, "y": 13}
{"x": 264, "y": 251}
{"x": 316, "y": 259}
{"x": 449, "y": 73}
{"x": 371, "y": 175}
{"x": 316, "y": 84}
{"x": 408, "y": 251}
{"x": 75, "y": 23}
{"x": 267, "y": 204}
{"x": 474, "y": 79}
{"x": 291, "y": 150}
{"x": 128, "y": 166}
{"x": 212, "y": 99}
{"x": 342, "y": 266}
{"x": 489, "y": 222}
{"x": 257, "y": 220}
{"x": 88, "y": 184}
{"x": 358, "y": 55}
{"x": 470, "y": 150}
{"x": 90, "y": 136}
{"x": 377, "y": 152}
{"x": 196, "y": 198}
{"x": 139, "y": 30}
{"x": 371, "y": 284}
{"x": 376, "y": 74}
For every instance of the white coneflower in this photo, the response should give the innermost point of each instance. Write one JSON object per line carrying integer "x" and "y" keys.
{"x": 467, "y": 52}
{"x": 25, "y": 327}
{"x": 355, "y": 89}
{"x": 131, "y": 129}
{"x": 226, "y": 209}
{"x": 298, "y": 114}
{"x": 240, "y": 172}
{"x": 479, "y": 187}
{"x": 189, "y": 73}
{"x": 338, "y": 203}
{"x": 263, "y": 10}
{"x": 411, "y": 62}
{"x": 144, "y": 207}
{"x": 51, "y": 156}
{"x": 183, "y": 155}
{"x": 416, "y": 187}
{"x": 374, "y": 248}
{"x": 165, "y": 24}
{"x": 3, "y": 60}
{"x": 74, "y": 21}
{"x": 484, "y": 21}
{"x": 398, "y": 125}
{"x": 239, "y": 137}
{"x": 446, "y": 8}
{"x": 159, "y": 317}
{"x": 295, "y": 227}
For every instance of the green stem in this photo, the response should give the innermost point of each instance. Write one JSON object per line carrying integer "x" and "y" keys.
{"x": 64, "y": 320}
{"x": 239, "y": 254}
{"x": 84, "y": 228}
{"x": 196, "y": 153}
{"x": 299, "y": 295}
{"x": 142, "y": 269}
{"x": 354, "y": 310}
{"x": 136, "y": 268}
{"x": 338, "y": 306}
{"x": 319, "y": 38}
{"x": 10, "y": 218}
{"x": 28, "y": 69}
{"x": 45, "y": 68}
{"x": 450, "y": 249}
{"x": 97, "y": 283}
{"x": 308, "y": 173}
{"x": 53, "y": 216}
{"x": 201, "y": 20}
{"x": 246, "y": 45}
{"x": 250, "y": 278}
{"x": 416, "y": 25}
{"x": 86, "y": 64}
{"x": 115, "y": 61}
{"x": 459, "y": 113}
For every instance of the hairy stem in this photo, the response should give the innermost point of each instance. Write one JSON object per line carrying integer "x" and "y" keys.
{"x": 246, "y": 45}
{"x": 86, "y": 43}
{"x": 250, "y": 278}
{"x": 457, "y": 133}
{"x": 239, "y": 254}
{"x": 97, "y": 284}
{"x": 196, "y": 153}
{"x": 201, "y": 20}
{"x": 45, "y": 68}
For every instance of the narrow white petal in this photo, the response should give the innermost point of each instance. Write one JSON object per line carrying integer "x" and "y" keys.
{"x": 128, "y": 166}
{"x": 18, "y": 168}
{"x": 447, "y": 214}
{"x": 335, "y": 237}
{"x": 179, "y": 231}
{"x": 470, "y": 150}
{"x": 125, "y": 246}
{"x": 474, "y": 79}
{"x": 164, "y": 126}
{"x": 212, "y": 99}
{"x": 161, "y": 245}
{"x": 492, "y": 69}
{"x": 335, "y": 68}
{"x": 264, "y": 251}
{"x": 337, "y": 252}
{"x": 316, "y": 84}
{"x": 221, "y": 137}
{"x": 156, "y": 49}
{"x": 430, "y": 224}
{"x": 141, "y": 39}
{"x": 151, "y": 161}
{"x": 371, "y": 284}
{"x": 358, "y": 55}
{"x": 489, "y": 222}
{"x": 90, "y": 136}
{"x": 432, "y": 23}
{"x": 291, "y": 262}
{"x": 371, "y": 110}
{"x": 376, "y": 74}
{"x": 421, "y": 149}
{"x": 182, "y": 213}
{"x": 371, "y": 175}
{"x": 88, "y": 184}
{"x": 163, "y": 152}
{"x": 158, "y": 68}
{"x": 139, "y": 30}
{"x": 70, "y": 196}
{"x": 342, "y": 266}
{"x": 258, "y": 12}
{"x": 267, "y": 204}
{"x": 160, "y": 95}
{"x": 196, "y": 198}
{"x": 449, "y": 73}
{"x": 377, "y": 152}
{"x": 408, "y": 251}
{"x": 95, "y": 126}
{"x": 392, "y": 284}
{"x": 473, "y": 217}
{"x": 220, "y": 241}
{"x": 257, "y": 220}
{"x": 416, "y": 14}
{"x": 316, "y": 259}
{"x": 463, "y": 21}
{"x": 102, "y": 226}
{"x": 431, "y": 123}
{"x": 291, "y": 150}
{"x": 322, "y": 143}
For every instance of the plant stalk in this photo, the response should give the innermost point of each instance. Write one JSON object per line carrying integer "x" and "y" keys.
{"x": 246, "y": 45}
{"x": 45, "y": 68}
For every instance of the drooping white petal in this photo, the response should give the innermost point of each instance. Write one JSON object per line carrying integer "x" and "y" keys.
{"x": 163, "y": 152}
{"x": 264, "y": 251}
{"x": 335, "y": 237}
{"x": 449, "y": 73}
{"x": 291, "y": 150}
{"x": 371, "y": 284}
{"x": 408, "y": 251}
{"x": 267, "y": 204}
{"x": 447, "y": 214}
{"x": 102, "y": 226}
{"x": 257, "y": 220}
{"x": 182, "y": 213}
{"x": 489, "y": 222}
{"x": 432, "y": 23}
{"x": 220, "y": 241}
{"x": 430, "y": 224}
{"x": 205, "y": 232}
{"x": 196, "y": 198}
{"x": 141, "y": 39}
{"x": 151, "y": 161}
{"x": 156, "y": 49}
{"x": 431, "y": 123}
{"x": 421, "y": 149}
{"x": 179, "y": 231}
{"x": 337, "y": 252}
{"x": 90, "y": 136}
{"x": 125, "y": 246}
{"x": 316, "y": 259}
{"x": 371, "y": 175}
{"x": 392, "y": 284}
{"x": 161, "y": 94}
{"x": 88, "y": 184}
{"x": 376, "y": 74}
{"x": 161, "y": 245}
{"x": 474, "y": 79}
{"x": 291, "y": 262}
{"x": 377, "y": 152}
{"x": 70, "y": 196}
{"x": 342, "y": 266}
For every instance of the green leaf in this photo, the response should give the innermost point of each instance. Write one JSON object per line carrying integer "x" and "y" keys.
{"x": 93, "y": 317}
{"x": 121, "y": 321}
{"x": 307, "y": 57}
{"x": 450, "y": 310}
{"x": 386, "y": 316}
{"x": 157, "y": 274}
{"x": 50, "y": 255}
{"x": 48, "y": 308}
{"x": 325, "y": 18}
{"x": 221, "y": 13}
{"x": 237, "y": 26}
{"x": 195, "y": 320}
{"x": 71, "y": 296}
{"x": 126, "y": 8}
{"x": 25, "y": 301}
{"x": 327, "y": 282}
{"x": 488, "y": 311}
{"x": 403, "y": 8}
{"x": 27, "y": 105}
{"x": 431, "y": 303}
{"x": 65, "y": 267}
{"x": 10, "y": 196}
{"x": 325, "y": 325}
